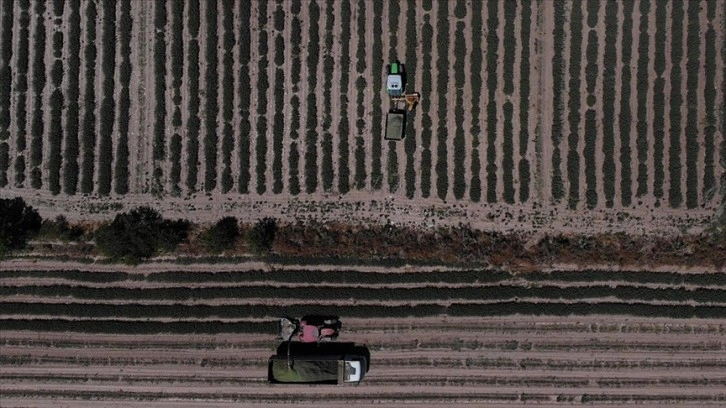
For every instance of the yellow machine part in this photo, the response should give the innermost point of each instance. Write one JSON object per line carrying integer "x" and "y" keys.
{"x": 410, "y": 99}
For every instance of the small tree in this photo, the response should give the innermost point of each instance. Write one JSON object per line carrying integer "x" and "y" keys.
{"x": 262, "y": 234}
{"x": 138, "y": 234}
{"x": 18, "y": 222}
{"x": 221, "y": 236}
{"x": 60, "y": 229}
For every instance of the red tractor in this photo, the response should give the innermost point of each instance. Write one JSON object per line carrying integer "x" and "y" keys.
{"x": 310, "y": 328}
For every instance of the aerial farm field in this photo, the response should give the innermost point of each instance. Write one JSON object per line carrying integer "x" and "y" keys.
{"x": 537, "y": 117}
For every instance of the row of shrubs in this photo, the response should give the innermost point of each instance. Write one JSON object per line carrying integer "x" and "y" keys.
{"x": 558, "y": 97}
{"x": 177, "y": 72}
{"x": 625, "y": 117}
{"x": 89, "y": 101}
{"x": 692, "y": 73}
{"x": 343, "y": 125}
{"x": 212, "y": 108}
{"x": 709, "y": 96}
{"x": 411, "y": 131}
{"x": 294, "y": 155}
{"x": 5, "y": 88}
{"x": 442, "y": 65}
{"x": 378, "y": 76}
{"x": 21, "y": 88}
{"x": 459, "y": 138}
{"x": 475, "y": 79}
{"x": 159, "y": 143}
{"x": 311, "y": 135}
{"x": 508, "y": 153}
{"x": 278, "y": 129}
{"x": 296, "y": 41}
{"x": 360, "y": 85}
{"x": 675, "y": 197}
{"x": 39, "y": 80}
{"x": 427, "y": 37}
{"x": 658, "y": 99}
{"x": 55, "y": 131}
{"x": 193, "y": 121}
{"x": 108, "y": 103}
{"x": 589, "y": 153}
{"x": 608, "y": 101}
{"x": 492, "y": 65}
{"x": 573, "y": 156}
{"x": 392, "y": 175}
{"x": 642, "y": 78}
{"x": 328, "y": 64}
{"x": 71, "y": 151}
{"x": 262, "y": 85}
{"x": 524, "y": 67}
{"x": 510, "y": 13}
{"x": 245, "y": 90}
{"x": 121, "y": 169}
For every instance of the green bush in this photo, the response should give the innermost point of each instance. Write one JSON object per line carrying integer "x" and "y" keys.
{"x": 18, "y": 222}
{"x": 592, "y": 8}
{"x": 4, "y": 163}
{"x": 89, "y": 101}
{"x": 60, "y": 229}
{"x": 70, "y": 161}
{"x": 262, "y": 235}
{"x": 57, "y": 44}
{"x": 138, "y": 234}
{"x": 642, "y": 95}
{"x": 625, "y": 106}
{"x": 221, "y": 236}
{"x": 591, "y": 68}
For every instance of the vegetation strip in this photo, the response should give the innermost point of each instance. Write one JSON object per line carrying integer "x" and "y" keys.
{"x": 5, "y": 87}
{"x": 121, "y": 170}
{"x": 39, "y": 80}
{"x": 573, "y": 156}
{"x": 442, "y": 82}
{"x": 193, "y": 121}
{"x": 675, "y": 198}
{"x": 625, "y": 117}
{"x": 343, "y": 125}
{"x": 524, "y": 166}
{"x": 608, "y": 102}
{"x": 311, "y": 135}
{"x": 411, "y": 71}
{"x": 212, "y": 107}
{"x": 459, "y": 138}
{"x": 475, "y": 79}
{"x": 558, "y": 98}
{"x": 492, "y": 65}
{"x": 228, "y": 74}
{"x": 642, "y": 97}
{"x": 263, "y": 84}
{"x": 244, "y": 92}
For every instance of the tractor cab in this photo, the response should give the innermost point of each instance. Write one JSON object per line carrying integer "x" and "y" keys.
{"x": 395, "y": 83}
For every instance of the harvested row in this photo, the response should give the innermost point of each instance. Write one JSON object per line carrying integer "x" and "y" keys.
{"x": 461, "y": 360}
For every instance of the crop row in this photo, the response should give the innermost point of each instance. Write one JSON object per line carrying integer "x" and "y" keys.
{"x": 658, "y": 99}
{"x": 71, "y": 149}
{"x": 459, "y": 139}
{"x": 573, "y": 157}
{"x": 108, "y": 103}
{"x": 159, "y": 142}
{"x": 709, "y": 94}
{"x": 625, "y": 116}
{"x": 39, "y": 79}
{"x": 212, "y": 108}
{"x": 427, "y": 37}
{"x": 475, "y": 79}
{"x": 492, "y": 64}
{"x": 608, "y": 101}
{"x": 591, "y": 71}
{"x": 508, "y": 153}
{"x": 89, "y": 101}
{"x": 263, "y": 83}
{"x": 674, "y": 160}
{"x": 558, "y": 97}
{"x": 311, "y": 136}
{"x": 364, "y": 311}
{"x": 692, "y": 74}
{"x": 57, "y": 102}
{"x": 121, "y": 170}
{"x": 6, "y": 46}
{"x": 360, "y": 84}
{"x": 328, "y": 68}
{"x": 177, "y": 71}
{"x": 642, "y": 77}
{"x": 193, "y": 122}
{"x": 411, "y": 71}
{"x": 442, "y": 65}
{"x": 21, "y": 114}
{"x": 312, "y": 292}
{"x": 524, "y": 167}
{"x": 344, "y": 276}
{"x": 343, "y": 125}
{"x": 244, "y": 93}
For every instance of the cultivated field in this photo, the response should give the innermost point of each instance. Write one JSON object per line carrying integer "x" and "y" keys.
{"x": 541, "y": 109}
{"x": 437, "y": 335}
